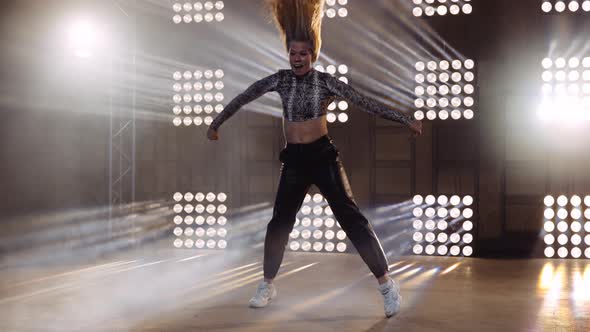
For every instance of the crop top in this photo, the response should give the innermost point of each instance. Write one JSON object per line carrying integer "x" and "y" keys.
{"x": 307, "y": 97}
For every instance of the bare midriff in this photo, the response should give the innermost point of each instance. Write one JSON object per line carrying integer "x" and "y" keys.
{"x": 305, "y": 131}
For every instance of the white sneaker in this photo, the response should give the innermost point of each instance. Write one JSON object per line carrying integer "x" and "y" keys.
{"x": 264, "y": 294}
{"x": 391, "y": 298}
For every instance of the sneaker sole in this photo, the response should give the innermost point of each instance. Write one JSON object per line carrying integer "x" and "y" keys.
{"x": 397, "y": 312}
{"x": 262, "y": 306}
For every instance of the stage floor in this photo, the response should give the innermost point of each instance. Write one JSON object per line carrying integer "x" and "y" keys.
{"x": 182, "y": 290}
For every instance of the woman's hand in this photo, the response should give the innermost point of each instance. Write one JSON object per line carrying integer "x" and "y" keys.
{"x": 212, "y": 134}
{"x": 416, "y": 127}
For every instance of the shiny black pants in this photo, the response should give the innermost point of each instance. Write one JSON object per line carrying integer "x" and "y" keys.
{"x": 318, "y": 163}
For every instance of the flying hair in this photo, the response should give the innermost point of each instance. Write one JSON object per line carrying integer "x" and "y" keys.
{"x": 299, "y": 20}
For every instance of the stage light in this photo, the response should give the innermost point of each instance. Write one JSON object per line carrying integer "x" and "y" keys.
{"x": 418, "y": 237}
{"x": 564, "y": 102}
{"x": 208, "y": 8}
{"x": 467, "y": 251}
{"x": 334, "y": 9}
{"x": 430, "y": 199}
{"x": 329, "y": 234}
{"x": 452, "y": 223}
{"x": 418, "y": 199}
{"x": 576, "y": 239}
{"x": 430, "y": 249}
{"x": 329, "y": 246}
{"x": 306, "y": 234}
{"x": 417, "y": 249}
{"x": 417, "y": 212}
{"x": 549, "y": 252}
{"x": 188, "y": 232}
{"x": 320, "y": 225}
{"x": 417, "y": 223}
{"x": 549, "y": 239}
{"x": 197, "y": 98}
{"x": 468, "y": 225}
{"x": 430, "y": 212}
{"x": 342, "y": 105}
{"x": 467, "y": 8}
{"x": 428, "y": 106}
{"x": 549, "y": 226}
{"x": 566, "y": 226}
{"x": 84, "y": 39}
{"x": 343, "y": 117}
{"x": 430, "y": 225}
{"x": 429, "y": 8}
{"x": 178, "y": 220}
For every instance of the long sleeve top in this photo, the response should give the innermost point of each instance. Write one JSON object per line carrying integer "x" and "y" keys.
{"x": 307, "y": 97}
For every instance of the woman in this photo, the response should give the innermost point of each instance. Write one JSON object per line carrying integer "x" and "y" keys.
{"x": 310, "y": 157}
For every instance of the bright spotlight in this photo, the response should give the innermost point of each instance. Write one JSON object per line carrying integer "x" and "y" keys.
{"x": 84, "y": 38}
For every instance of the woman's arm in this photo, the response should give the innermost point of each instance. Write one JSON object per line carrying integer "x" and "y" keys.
{"x": 367, "y": 104}
{"x": 254, "y": 91}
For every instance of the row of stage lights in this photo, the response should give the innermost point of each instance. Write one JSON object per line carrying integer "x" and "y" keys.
{"x": 204, "y": 12}
{"x": 559, "y": 222}
{"x": 208, "y": 85}
{"x": 323, "y": 226}
{"x": 211, "y": 237}
{"x": 336, "y": 108}
{"x": 561, "y": 6}
{"x": 441, "y": 7}
{"x": 450, "y": 233}
{"x": 444, "y": 84}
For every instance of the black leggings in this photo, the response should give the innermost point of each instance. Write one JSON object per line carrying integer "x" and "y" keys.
{"x": 318, "y": 163}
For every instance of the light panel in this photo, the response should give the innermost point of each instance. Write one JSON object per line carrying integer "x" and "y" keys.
{"x": 566, "y": 226}
{"x": 335, "y": 9}
{"x": 198, "y": 12}
{"x": 565, "y": 89}
{"x": 443, "y": 225}
{"x": 200, "y": 220}
{"x": 316, "y": 228}
{"x": 445, "y": 89}
{"x": 336, "y": 109}
{"x": 441, "y": 7}
{"x": 197, "y": 96}
{"x": 570, "y": 6}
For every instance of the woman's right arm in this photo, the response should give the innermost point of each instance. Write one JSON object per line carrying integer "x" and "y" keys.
{"x": 254, "y": 91}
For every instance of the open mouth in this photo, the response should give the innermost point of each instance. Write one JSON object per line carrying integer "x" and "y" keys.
{"x": 297, "y": 65}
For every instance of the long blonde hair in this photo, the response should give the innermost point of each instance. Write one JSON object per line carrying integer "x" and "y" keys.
{"x": 299, "y": 20}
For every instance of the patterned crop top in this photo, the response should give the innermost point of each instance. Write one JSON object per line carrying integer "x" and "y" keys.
{"x": 307, "y": 97}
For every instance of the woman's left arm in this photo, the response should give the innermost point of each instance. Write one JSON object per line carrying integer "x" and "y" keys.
{"x": 367, "y": 104}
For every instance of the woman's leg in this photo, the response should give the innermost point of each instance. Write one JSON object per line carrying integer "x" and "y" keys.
{"x": 293, "y": 185}
{"x": 332, "y": 181}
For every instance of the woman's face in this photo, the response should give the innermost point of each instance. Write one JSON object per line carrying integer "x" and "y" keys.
{"x": 300, "y": 54}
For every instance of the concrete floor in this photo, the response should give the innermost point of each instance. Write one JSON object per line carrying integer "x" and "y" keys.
{"x": 182, "y": 290}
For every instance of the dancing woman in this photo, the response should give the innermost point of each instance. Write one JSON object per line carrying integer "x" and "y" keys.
{"x": 310, "y": 156}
